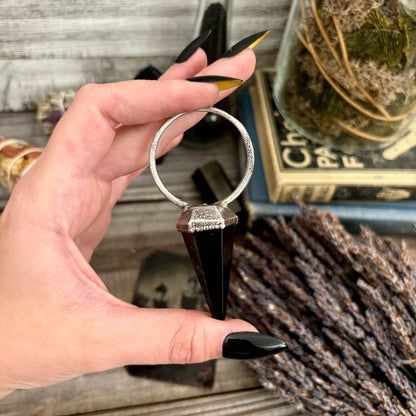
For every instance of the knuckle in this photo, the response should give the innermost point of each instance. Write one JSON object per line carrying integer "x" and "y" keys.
{"x": 87, "y": 91}
{"x": 187, "y": 344}
{"x": 106, "y": 99}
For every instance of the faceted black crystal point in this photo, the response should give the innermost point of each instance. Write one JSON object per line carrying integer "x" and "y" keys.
{"x": 208, "y": 232}
{"x": 211, "y": 253}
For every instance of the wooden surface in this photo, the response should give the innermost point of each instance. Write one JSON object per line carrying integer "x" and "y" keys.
{"x": 116, "y": 389}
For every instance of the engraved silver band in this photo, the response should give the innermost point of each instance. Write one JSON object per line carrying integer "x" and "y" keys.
{"x": 249, "y": 157}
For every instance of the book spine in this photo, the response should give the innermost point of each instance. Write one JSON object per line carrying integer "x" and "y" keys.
{"x": 267, "y": 145}
{"x": 327, "y": 193}
{"x": 307, "y": 193}
{"x": 384, "y": 218}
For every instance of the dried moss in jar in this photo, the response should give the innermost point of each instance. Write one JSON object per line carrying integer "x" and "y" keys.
{"x": 346, "y": 71}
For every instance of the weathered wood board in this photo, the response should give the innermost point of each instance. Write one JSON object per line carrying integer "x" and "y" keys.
{"x": 51, "y": 45}
{"x": 117, "y": 389}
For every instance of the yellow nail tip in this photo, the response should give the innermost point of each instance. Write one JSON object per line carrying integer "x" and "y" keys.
{"x": 248, "y": 42}
{"x": 224, "y": 85}
{"x": 258, "y": 40}
{"x": 222, "y": 82}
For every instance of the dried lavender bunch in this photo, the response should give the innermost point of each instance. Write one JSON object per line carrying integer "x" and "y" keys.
{"x": 342, "y": 303}
{"x": 323, "y": 370}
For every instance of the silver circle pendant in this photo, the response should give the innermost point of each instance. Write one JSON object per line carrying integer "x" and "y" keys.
{"x": 249, "y": 158}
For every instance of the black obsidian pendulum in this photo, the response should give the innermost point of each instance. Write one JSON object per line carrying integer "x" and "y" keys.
{"x": 208, "y": 230}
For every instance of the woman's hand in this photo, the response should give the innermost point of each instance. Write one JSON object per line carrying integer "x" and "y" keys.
{"x": 57, "y": 319}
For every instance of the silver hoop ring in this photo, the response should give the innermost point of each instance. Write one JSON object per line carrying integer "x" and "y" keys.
{"x": 249, "y": 159}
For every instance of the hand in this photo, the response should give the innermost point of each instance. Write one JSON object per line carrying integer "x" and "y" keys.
{"x": 57, "y": 319}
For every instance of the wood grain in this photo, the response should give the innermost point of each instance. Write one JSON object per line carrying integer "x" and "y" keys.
{"x": 25, "y": 81}
{"x": 255, "y": 402}
{"x": 117, "y": 389}
{"x": 50, "y": 46}
{"x": 122, "y": 29}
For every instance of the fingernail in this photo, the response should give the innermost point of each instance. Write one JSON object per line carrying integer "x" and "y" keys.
{"x": 192, "y": 47}
{"x": 249, "y": 42}
{"x": 247, "y": 345}
{"x": 222, "y": 82}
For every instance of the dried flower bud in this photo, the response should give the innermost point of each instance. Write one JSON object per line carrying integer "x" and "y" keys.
{"x": 52, "y": 107}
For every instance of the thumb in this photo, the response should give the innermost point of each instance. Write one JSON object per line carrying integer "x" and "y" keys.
{"x": 178, "y": 336}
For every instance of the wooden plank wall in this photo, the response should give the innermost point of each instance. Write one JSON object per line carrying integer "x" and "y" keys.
{"x": 51, "y": 45}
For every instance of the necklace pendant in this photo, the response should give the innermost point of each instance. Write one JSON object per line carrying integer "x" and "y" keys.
{"x": 208, "y": 233}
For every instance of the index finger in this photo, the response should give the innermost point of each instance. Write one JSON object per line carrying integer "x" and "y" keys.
{"x": 87, "y": 129}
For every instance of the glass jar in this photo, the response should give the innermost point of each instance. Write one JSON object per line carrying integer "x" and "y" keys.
{"x": 346, "y": 71}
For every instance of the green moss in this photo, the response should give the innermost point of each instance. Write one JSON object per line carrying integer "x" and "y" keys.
{"x": 381, "y": 45}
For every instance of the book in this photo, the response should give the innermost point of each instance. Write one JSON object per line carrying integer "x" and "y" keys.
{"x": 317, "y": 173}
{"x": 386, "y": 218}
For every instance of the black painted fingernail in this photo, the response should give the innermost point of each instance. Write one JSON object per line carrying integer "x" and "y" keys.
{"x": 247, "y": 345}
{"x": 192, "y": 47}
{"x": 222, "y": 82}
{"x": 249, "y": 42}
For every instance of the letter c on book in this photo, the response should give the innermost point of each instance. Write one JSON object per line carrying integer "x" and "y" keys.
{"x": 286, "y": 155}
